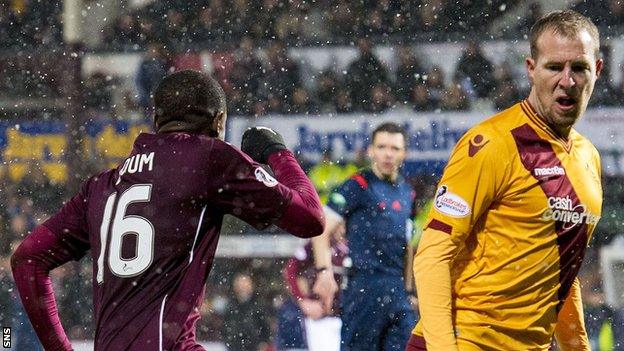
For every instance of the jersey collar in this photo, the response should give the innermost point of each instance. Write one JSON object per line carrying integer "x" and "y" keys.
{"x": 530, "y": 112}
{"x": 370, "y": 175}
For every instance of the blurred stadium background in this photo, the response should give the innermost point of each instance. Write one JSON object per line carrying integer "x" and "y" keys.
{"x": 76, "y": 77}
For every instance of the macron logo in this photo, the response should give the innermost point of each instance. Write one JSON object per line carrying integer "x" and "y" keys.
{"x": 548, "y": 171}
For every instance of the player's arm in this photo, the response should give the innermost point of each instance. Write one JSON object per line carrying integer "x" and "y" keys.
{"x": 303, "y": 215}
{"x": 325, "y": 285}
{"x": 60, "y": 239}
{"x": 570, "y": 329}
{"x": 408, "y": 271}
{"x": 433, "y": 283}
{"x": 294, "y": 281}
{"x": 291, "y": 273}
{"x": 32, "y": 262}
{"x": 472, "y": 180}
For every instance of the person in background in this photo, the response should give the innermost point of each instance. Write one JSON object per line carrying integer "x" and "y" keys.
{"x": 477, "y": 69}
{"x": 322, "y": 328}
{"x": 327, "y": 174}
{"x": 245, "y": 323}
{"x": 151, "y": 71}
{"x": 376, "y": 206}
{"x": 363, "y": 74}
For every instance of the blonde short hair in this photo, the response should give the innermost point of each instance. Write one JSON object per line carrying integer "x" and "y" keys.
{"x": 567, "y": 23}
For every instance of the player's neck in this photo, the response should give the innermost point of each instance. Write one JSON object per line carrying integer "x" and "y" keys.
{"x": 562, "y": 132}
{"x": 390, "y": 178}
{"x": 185, "y": 127}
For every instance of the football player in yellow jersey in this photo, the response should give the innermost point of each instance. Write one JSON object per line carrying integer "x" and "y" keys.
{"x": 516, "y": 206}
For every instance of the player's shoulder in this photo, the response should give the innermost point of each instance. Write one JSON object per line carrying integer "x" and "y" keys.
{"x": 501, "y": 123}
{"x": 225, "y": 148}
{"x": 584, "y": 144}
{"x": 360, "y": 179}
{"x": 582, "y": 140}
{"x": 103, "y": 177}
{"x": 202, "y": 143}
{"x": 99, "y": 180}
{"x": 494, "y": 131}
{"x": 406, "y": 186}
{"x": 174, "y": 140}
{"x": 221, "y": 154}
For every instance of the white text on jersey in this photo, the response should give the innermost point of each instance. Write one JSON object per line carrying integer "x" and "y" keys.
{"x": 562, "y": 209}
{"x": 556, "y": 170}
{"x": 136, "y": 163}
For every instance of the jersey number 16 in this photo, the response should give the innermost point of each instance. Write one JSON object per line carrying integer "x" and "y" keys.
{"x": 123, "y": 225}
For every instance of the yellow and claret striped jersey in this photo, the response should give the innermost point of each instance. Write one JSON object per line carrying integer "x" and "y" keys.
{"x": 521, "y": 204}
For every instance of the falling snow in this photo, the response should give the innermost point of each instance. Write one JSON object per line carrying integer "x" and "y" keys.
{"x": 77, "y": 85}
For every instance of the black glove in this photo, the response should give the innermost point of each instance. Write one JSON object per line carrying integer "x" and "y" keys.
{"x": 260, "y": 142}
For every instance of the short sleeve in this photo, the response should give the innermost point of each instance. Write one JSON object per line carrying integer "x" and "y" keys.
{"x": 347, "y": 197}
{"x": 471, "y": 182}
{"x": 70, "y": 223}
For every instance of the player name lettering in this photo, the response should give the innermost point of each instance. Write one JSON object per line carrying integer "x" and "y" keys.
{"x": 562, "y": 209}
{"x": 136, "y": 163}
{"x": 556, "y": 170}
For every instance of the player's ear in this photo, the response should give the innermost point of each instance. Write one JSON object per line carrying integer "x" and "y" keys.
{"x": 599, "y": 65}
{"x": 154, "y": 123}
{"x": 369, "y": 151}
{"x": 530, "y": 66}
{"x": 218, "y": 124}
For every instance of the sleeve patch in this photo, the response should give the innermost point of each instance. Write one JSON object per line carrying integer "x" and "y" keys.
{"x": 337, "y": 199}
{"x": 450, "y": 204}
{"x": 264, "y": 177}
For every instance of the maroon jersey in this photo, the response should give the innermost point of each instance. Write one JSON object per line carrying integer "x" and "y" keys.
{"x": 152, "y": 225}
{"x": 302, "y": 265}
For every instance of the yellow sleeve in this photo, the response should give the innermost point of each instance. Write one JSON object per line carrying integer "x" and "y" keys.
{"x": 433, "y": 284}
{"x": 570, "y": 329}
{"x": 478, "y": 171}
{"x": 473, "y": 179}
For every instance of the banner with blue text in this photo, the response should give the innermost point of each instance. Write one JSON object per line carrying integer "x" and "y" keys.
{"x": 432, "y": 137}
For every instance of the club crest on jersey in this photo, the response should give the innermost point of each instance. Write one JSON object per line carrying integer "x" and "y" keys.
{"x": 265, "y": 177}
{"x": 450, "y": 204}
{"x": 562, "y": 209}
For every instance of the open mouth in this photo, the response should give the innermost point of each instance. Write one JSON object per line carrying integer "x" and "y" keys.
{"x": 566, "y": 101}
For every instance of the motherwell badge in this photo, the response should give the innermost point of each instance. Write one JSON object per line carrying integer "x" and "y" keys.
{"x": 475, "y": 144}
